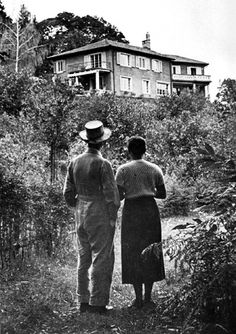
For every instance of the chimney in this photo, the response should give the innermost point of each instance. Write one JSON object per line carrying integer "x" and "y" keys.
{"x": 147, "y": 42}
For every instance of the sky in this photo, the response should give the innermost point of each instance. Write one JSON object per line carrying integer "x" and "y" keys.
{"x": 199, "y": 29}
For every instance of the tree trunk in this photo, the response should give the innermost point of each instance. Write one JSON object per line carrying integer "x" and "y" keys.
{"x": 53, "y": 162}
{"x": 17, "y": 45}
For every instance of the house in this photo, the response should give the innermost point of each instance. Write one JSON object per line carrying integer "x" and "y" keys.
{"x": 188, "y": 74}
{"x": 127, "y": 70}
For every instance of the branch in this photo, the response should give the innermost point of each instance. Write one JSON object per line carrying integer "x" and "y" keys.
{"x": 14, "y": 33}
{"x": 7, "y": 35}
{"x": 10, "y": 42}
{"x": 24, "y": 29}
{"x": 25, "y": 42}
{"x": 28, "y": 50}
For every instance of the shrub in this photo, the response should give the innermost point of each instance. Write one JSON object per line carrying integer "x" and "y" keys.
{"x": 207, "y": 249}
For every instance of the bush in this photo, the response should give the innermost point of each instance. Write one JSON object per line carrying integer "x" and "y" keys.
{"x": 13, "y": 202}
{"x": 206, "y": 249}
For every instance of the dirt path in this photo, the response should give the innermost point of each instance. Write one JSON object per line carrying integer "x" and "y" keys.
{"x": 41, "y": 300}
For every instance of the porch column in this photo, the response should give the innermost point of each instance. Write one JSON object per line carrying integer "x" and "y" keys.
{"x": 206, "y": 91}
{"x": 97, "y": 80}
{"x": 194, "y": 87}
{"x": 76, "y": 81}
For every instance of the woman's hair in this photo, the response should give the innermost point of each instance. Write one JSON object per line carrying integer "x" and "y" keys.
{"x": 137, "y": 146}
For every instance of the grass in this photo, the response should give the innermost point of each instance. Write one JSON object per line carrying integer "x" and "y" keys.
{"x": 39, "y": 298}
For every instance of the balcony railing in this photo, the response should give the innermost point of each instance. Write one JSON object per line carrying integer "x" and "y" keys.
{"x": 81, "y": 67}
{"x": 187, "y": 77}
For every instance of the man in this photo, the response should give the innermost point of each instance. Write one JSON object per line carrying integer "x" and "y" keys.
{"x": 91, "y": 189}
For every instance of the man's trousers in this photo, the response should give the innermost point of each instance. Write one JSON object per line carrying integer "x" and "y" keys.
{"x": 96, "y": 251}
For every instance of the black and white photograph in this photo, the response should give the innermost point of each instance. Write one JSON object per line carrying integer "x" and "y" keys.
{"x": 117, "y": 167}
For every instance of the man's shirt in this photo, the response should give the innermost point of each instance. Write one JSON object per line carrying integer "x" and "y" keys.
{"x": 90, "y": 177}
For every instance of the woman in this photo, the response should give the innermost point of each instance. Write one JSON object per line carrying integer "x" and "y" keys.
{"x": 140, "y": 182}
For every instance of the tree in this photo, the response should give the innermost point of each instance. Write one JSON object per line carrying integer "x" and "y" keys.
{"x": 4, "y": 19}
{"x": 227, "y": 92}
{"x": 67, "y": 31}
{"x": 206, "y": 249}
{"x": 3, "y": 14}
{"x": 49, "y": 106}
{"x": 20, "y": 41}
{"x": 225, "y": 106}
{"x": 14, "y": 88}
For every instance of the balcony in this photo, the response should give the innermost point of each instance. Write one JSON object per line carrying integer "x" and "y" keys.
{"x": 196, "y": 78}
{"x": 83, "y": 67}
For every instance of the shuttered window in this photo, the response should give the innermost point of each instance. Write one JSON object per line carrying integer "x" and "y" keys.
{"x": 125, "y": 59}
{"x": 194, "y": 70}
{"x": 96, "y": 60}
{"x": 176, "y": 69}
{"x": 157, "y": 65}
{"x": 126, "y": 84}
{"x": 162, "y": 88}
{"x": 143, "y": 63}
{"x": 60, "y": 66}
{"x": 146, "y": 86}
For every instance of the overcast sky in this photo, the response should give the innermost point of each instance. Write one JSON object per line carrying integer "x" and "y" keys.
{"x": 199, "y": 29}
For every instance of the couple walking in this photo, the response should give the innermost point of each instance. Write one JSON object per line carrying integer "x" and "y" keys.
{"x": 91, "y": 188}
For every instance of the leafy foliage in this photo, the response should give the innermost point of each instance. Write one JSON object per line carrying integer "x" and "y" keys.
{"x": 13, "y": 201}
{"x": 14, "y": 88}
{"x": 68, "y": 31}
{"x": 20, "y": 42}
{"x": 206, "y": 250}
{"x": 40, "y": 122}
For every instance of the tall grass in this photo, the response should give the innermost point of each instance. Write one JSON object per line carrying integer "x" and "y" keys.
{"x": 40, "y": 298}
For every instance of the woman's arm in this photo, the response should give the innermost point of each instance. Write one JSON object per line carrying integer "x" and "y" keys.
{"x": 161, "y": 192}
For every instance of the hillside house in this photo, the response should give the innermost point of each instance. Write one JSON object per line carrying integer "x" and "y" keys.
{"x": 188, "y": 74}
{"x": 127, "y": 70}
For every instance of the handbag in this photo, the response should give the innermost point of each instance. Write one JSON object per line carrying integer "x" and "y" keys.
{"x": 152, "y": 251}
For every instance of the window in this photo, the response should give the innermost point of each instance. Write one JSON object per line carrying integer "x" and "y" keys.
{"x": 161, "y": 88}
{"x": 194, "y": 70}
{"x": 176, "y": 69}
{"x": 157, "y": 65}
{"x": 125, "y": 59}
{"x": 146, "y": 86}
{"x": 60, "y": 66}
{"x": 141, "y": 62}
{"x": 96, "y": 60}
{"x": 125, "y": 84}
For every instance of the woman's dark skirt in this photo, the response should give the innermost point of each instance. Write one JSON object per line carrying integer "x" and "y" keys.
{"x": 140, "y": 227}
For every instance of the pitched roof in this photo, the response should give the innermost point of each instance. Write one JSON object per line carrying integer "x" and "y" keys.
{"x": 108, "y": 43}
{"x": 179, "y": 59}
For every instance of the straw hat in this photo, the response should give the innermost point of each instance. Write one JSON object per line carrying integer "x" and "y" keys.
{"x": 95, "y": 132}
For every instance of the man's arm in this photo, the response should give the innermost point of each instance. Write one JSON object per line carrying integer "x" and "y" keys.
{"x": 121, "y": 192}
{"x": 69, "y": 190}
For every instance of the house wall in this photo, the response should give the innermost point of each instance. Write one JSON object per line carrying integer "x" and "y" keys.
{"x": 112, "y": 79}
{"x": 184, "y": 67}
{"x": 138, "y": 75}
